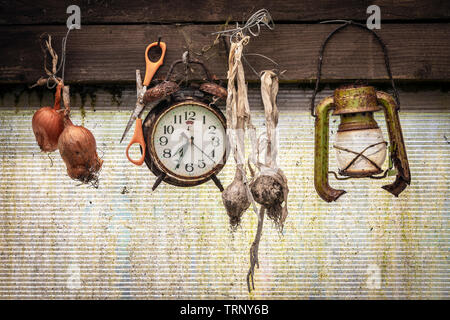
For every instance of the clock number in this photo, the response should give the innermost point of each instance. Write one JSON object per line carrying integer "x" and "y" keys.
{"x": 213, "y": 153}
{"x": 175, "y": 118}
{"x": 212, "y": 129}
{"x": 215, "y": 141}
{"x": 163, "y": 140}
{"x": 168, "y": 129}
{"x": 191, "y": 115}
{"x": 204, "y": 119}
{"x": 189, "y": 167}
{"x": 201, "y": 164}
{"x": 167, "y": 153}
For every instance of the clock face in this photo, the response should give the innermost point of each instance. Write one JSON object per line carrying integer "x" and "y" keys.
{"x": 189, "y": 141}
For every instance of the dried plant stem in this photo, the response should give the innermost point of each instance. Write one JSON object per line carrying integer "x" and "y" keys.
{"x": 66, "y": 100}
{"x": 51, "y": 74}
{"x": 269, "y": 91}
{"x": 237, "y": 196}
{"x": 269, "y": 186}
{"x": 254, "y": 251}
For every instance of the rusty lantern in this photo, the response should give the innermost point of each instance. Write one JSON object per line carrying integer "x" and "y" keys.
{"x": 359, "y": 144}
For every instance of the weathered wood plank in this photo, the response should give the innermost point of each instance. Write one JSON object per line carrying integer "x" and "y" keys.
{"x": 156, "y": 11}
{"x": 111, "y": 54}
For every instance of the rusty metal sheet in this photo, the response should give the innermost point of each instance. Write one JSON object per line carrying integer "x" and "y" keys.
{"x": 62, "y": 240}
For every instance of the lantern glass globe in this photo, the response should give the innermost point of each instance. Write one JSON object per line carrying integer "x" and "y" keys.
{"x": 349, "y": 144}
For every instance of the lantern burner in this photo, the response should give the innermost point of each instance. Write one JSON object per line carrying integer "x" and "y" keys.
{"x": 354, "y": 98}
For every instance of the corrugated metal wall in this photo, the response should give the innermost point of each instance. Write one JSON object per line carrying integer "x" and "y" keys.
{"x": 62, "y": 240}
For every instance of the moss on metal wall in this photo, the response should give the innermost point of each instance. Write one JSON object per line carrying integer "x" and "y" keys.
{"x": 59, "y": 239}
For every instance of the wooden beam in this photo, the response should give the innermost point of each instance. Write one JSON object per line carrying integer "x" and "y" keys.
{"x": 111, "y": 54}
{"x": 164, "y": 11}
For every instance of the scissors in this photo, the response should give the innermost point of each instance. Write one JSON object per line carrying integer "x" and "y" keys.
{"x": 150, "y": 70}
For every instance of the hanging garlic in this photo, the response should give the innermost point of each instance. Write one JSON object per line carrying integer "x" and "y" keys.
{"x": 269, "y": 186}
{"x": 237, "y": 197}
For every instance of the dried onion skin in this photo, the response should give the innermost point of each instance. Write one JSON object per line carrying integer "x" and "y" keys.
{"x": 78, "y": 149}
{"x": 48, "y": 124}
{"x": 235, "y": 199}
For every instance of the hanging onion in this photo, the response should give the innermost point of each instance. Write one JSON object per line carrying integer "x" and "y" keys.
{"x": 235, "y": 198}
{"x": 48, "y": 123}
{"x": 78, "y": 149}
{"x": 270, "y": 190}
{"x": 269, "y": 186}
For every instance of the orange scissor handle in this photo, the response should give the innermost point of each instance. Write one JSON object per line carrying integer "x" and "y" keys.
{"x": 138, "y": 137}
{"x": 150, "y": 66}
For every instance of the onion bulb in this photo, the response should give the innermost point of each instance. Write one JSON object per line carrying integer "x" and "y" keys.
{"x": 48, "y": 123}
{"x": 270, "y": 190}
{"x": 78, "y": 149}
{"x": 235, "y": 198}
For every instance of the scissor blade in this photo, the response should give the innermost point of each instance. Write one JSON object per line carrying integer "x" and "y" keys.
{"x": 139, "y": 86}
{"x": 139, "y": 106}
{"x": 136, "y": 114}
{"x": 129, "y": 124}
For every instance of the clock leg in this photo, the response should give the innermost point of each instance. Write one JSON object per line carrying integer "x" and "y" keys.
{"x": 217, "y": 182}
{"x": 158, "y": 181}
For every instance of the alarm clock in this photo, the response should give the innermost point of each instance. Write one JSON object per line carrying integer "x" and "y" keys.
{"x": 185, "y": 133}
{"x": 186, "y": 141}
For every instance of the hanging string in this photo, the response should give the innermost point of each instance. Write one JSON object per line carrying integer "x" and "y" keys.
{"x": 322, "y": 50}
{"x": 63, "y": 55}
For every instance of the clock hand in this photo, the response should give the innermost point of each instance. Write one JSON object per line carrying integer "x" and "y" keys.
{"x": 192, "y": 153}
{"x": 184, "y": 152}
{"x": 181, "y": 156}
{"x": 192, "y": 142}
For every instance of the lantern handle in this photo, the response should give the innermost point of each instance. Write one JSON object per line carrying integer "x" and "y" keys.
{"x": 322, "y": 49}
